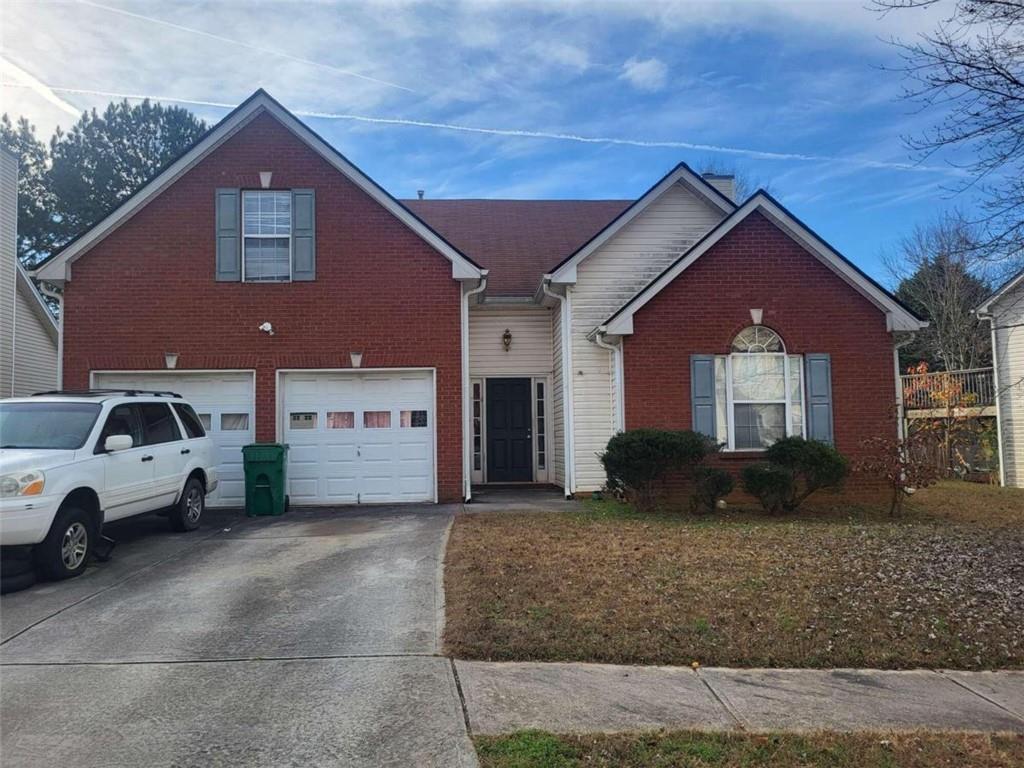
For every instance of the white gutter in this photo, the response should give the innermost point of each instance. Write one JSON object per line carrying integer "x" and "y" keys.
{"x": 467, "y": 405}
{"x": 995, "y": 385}
{"x": 619, "y": 421}
{"x": 565, "y": 304}
{"x": 900, "y": 408}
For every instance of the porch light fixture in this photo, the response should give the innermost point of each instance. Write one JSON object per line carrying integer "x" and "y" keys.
{"x": 506, "y": 339}
{"x": 357, "y": 359}
{"x": 171, "y": 360}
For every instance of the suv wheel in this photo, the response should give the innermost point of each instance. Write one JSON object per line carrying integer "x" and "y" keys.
{"x": 187, "y": 513}
{"x": 68, "y": 546}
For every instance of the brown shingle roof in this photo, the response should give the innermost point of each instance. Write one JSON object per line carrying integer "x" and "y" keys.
{"x": 518, "y": 241}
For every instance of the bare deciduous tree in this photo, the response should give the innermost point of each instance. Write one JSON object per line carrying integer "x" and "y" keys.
{"x": 934, "y": 270}
{"x": 971, "y": 68}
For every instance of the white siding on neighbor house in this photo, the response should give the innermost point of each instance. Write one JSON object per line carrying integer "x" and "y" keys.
{"x": 8, "y": 234}
{"x": 530, "y": 352}
{"x": 557, "y": 404}
{"x": 605, "y": 281}
{"x": 1009, "y": 362}
{"x": 28, "y": 343}
{"x": 35, "y": 349}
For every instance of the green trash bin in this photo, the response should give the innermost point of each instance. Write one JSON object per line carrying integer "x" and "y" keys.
{"x": 266, "y": 478}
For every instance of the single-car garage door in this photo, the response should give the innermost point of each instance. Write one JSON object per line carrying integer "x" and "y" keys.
{"x": 224, "y": 402}
{"x": 359, "y": 438}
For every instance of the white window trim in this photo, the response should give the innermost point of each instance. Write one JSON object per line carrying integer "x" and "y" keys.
{"x": 291, "y": 228}
{"x": 730, "y": 401}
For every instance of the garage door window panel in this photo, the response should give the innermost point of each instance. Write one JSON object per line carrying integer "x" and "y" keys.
{"x": 234, "y": 422}
{"x": 413, "y": 419}
{"x": 341, "y": 420}
{"x": 302, "y": 420}
{"x": 377, "y": 419}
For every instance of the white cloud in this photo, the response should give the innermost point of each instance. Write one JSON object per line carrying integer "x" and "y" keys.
{"x": 645, "y": 74}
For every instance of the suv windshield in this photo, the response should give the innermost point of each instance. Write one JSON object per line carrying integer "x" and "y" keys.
{"x": 46, "y": 425}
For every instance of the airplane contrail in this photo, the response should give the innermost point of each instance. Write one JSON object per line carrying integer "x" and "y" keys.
{"x": 523, "y": 133}
{"x": 242, "y": 43}
{"x": 27, "y": 80}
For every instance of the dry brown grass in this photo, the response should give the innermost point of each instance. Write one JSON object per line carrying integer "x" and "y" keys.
{"x": 837, "y": 587}
{"x": 703, "y": 750}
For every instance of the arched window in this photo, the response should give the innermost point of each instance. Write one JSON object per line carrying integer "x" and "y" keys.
{"x": 763, "y": 398}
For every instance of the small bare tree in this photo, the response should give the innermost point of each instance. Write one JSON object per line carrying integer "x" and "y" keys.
{"x": 935, "y": 273}
{"x": 971, "y": 69}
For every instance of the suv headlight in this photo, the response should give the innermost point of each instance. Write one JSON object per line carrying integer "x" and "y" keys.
{"x": 22, "y": 484}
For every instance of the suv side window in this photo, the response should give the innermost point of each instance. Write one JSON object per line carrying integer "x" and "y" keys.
{"x": 193, "y": 426}
{"x": 122, "y": 420}
{"x": 158, "y": 423}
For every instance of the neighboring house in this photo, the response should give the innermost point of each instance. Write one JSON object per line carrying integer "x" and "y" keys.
{"x": 1004, "y": 310}
{"x": 422, "y": 346}
{"x": 28, "y": 332}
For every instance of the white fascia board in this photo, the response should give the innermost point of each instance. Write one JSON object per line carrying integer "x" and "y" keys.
{"x": 566, "y": 272}
{"x": 38, "y": 303}
{"x": 897, "y": 318}
{"x": 1009, "y": 285}
{"x": 58, "y": 269}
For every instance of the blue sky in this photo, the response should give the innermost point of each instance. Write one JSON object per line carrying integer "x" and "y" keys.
{"x": 790, "y": 94}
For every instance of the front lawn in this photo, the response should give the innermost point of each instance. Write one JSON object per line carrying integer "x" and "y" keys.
{"x": 532, "y": 749}
{"x": 833, "y": 586}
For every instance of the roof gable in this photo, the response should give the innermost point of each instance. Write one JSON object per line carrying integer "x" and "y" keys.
{"x": 1000, "y": 293}
{"x": 36, "y": 302}
{"x": 898, "y": 317}
{"x": 565, "y": 272}
{"x": 58, "y": 267}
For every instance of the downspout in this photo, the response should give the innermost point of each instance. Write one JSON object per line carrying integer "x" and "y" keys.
{"x": 995, "y": 385}
{"x": 467, "y": 406}
{"x": 900, "y": 408}
{"x": 619, "y": 421}
{"x": 567, "y": 382}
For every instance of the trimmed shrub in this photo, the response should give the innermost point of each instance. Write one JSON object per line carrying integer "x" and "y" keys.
{"x": 769, "y": 484}
{"x": 799, "y": 468}
{"x": 638, "y": 461}
{"x": 710, "y": 484}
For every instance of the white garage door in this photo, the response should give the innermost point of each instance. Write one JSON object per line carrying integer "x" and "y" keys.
{"x": 359, "y": 438}
{"x": 224, "y": 402}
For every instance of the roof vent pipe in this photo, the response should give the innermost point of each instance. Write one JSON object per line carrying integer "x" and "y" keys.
{"x": 419, "y": 193}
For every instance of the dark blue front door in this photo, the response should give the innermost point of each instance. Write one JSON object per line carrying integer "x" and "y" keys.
{"x": 509, "y": 431}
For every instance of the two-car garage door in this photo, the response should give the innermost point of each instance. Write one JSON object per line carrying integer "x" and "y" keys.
{"x": 354, "y": 437}
{"x": 359, "y": 437}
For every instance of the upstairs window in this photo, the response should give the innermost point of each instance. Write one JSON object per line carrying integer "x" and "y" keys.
{"x": 267, "y": 236}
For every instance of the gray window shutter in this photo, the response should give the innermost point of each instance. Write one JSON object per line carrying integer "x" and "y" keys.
{"x": 303, "y": 234}
{"x": 702, "y": 394}
{"x": 818, "y": 370}
{"x": 229, "y": 235}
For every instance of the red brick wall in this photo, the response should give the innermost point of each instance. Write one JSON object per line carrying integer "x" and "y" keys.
{"x": 758, "y": 266}
{"x": 149, "y": 288}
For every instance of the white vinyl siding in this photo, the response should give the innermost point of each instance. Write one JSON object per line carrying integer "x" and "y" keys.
{"x": 35, "y": 349}
{"x": 605, "y": 281}
{"x": 530, "y": 353}
{"x": 28, "y": 339}
{"x": 8, "y": 278}
{"x": 1009, "y": 361}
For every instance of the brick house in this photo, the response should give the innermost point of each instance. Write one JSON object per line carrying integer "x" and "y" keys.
{"x": 408, "y": 350}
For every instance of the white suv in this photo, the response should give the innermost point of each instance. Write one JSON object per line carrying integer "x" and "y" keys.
{"x": 71, "y": 461}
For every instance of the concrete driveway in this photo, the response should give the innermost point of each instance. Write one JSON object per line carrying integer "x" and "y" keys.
{"x": 304, "y": 640}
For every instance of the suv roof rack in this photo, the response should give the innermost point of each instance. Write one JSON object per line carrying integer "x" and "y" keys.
{"x": 98, "y": 392}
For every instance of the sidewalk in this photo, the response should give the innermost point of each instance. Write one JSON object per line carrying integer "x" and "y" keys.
{"x": 578, "y": 698}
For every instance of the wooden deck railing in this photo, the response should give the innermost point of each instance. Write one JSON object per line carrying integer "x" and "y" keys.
{"x": 945, "y": 390}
